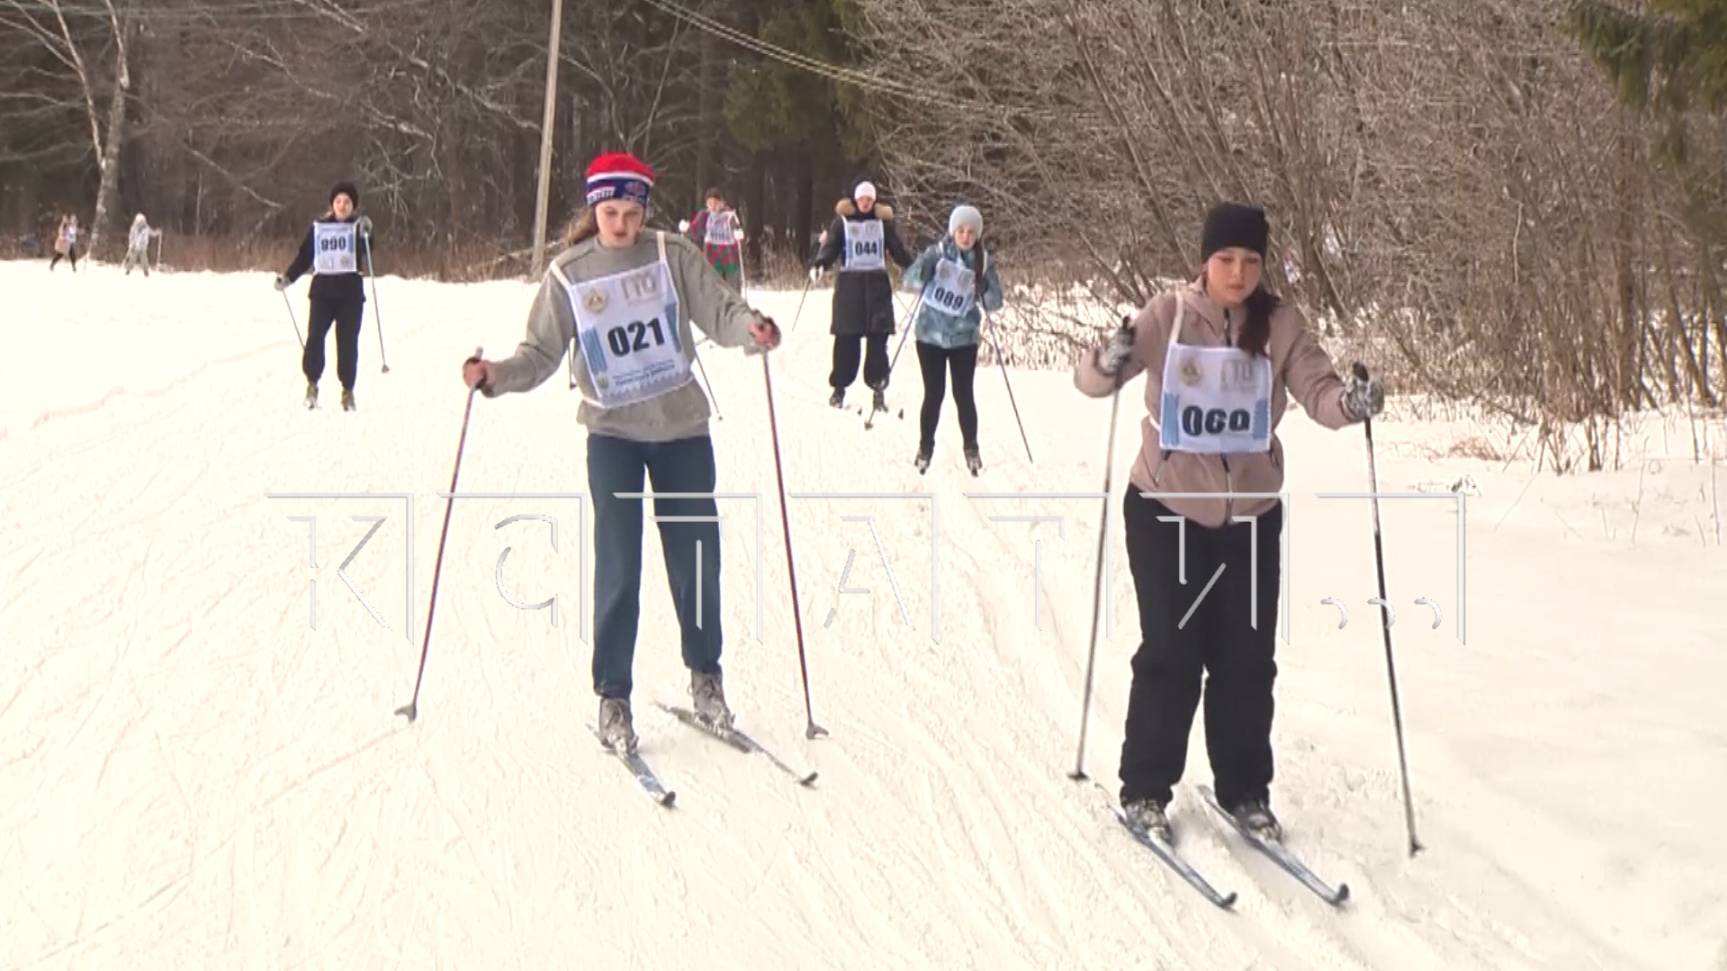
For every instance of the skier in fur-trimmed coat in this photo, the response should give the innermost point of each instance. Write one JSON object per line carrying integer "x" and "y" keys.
{"x": 860, "y": 240}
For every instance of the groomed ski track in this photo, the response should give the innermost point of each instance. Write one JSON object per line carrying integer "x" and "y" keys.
{"x": 195, "y": 777}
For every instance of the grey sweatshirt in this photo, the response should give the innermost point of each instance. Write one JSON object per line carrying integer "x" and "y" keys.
{"x": 703, "y": 297}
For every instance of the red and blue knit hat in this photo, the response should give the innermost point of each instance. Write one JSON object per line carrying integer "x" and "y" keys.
{"x": 621, "y": 176}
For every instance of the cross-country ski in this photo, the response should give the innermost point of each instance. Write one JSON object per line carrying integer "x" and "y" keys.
{"x": 1319, "y": 414}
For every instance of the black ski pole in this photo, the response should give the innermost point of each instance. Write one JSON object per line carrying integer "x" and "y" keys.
{"x": 1001, "y": 363}
{"x": 710, "y": 384}
{"x": 910, "y": 324}
{"x": 1078, "y": 773}
{"x": 812, "y": 730}
{"x": 289, "y": 304}
{"x": 377, "y": 311}
{"x": 412, "y": 708}
{"x": 1360, "y": 373}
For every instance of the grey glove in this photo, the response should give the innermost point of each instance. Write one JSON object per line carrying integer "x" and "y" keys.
{"x": 1113, "y": 356}
{"x": 281, "y": 282}
{"x": 364, "y": 225}
{"x": 1363, "y": 398}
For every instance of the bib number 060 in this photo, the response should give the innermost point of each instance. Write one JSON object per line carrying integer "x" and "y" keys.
{"x": 629, "y": 338}
{"x": 1214, "y": 421}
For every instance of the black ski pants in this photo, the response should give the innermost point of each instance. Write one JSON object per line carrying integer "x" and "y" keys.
{"x": 936, "y": 362}
{"x": 346, "y": 316}
{"x": 848, "y": 348}
{"x": 1187, "y": 631}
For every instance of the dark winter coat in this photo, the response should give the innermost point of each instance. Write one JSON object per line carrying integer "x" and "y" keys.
{"x": 863, "y": 301}
{"x": 332, "y": 286}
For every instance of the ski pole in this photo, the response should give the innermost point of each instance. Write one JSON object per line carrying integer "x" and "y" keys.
{"x": 377, "y": 312}
{"x": 812, "y": 729}
{"x": 1078, "y": 773}
{"x": 412, "y": 708}
{"x": 289, "y": 304}
{"x": 705, "y": 380}
{"x": 1359, "y": 371}
{"x": 1001, "y": 363}
{"x": 910, "y": 325}
{"x": 801, "y": 298}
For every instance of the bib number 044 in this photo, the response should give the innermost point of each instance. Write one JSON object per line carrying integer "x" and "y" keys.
{"x": 629, "y": 338}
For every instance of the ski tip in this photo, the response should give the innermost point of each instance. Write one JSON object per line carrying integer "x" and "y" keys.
{"x": 1227, "y": 901}
{"x": 409, "y": 711}
{"x": 809, "y": 781}
{"x": 1341, "y": 897}
{"x": 668, "y": 799}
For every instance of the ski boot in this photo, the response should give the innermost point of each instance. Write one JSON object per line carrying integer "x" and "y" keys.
{"x": 1148, "y": 816}
{"x": 879, "y": 403}
{"x": 838, "y": 398}
{"x": 710, "y": 700}
{"x": 311, "y": 394}
{"x": 347, "y": 399}
{"x": 1255, "y": 816}
{"x": 923, "y": 456}
{"x": 973, "y": 461}
{"x": 617, "y": 728}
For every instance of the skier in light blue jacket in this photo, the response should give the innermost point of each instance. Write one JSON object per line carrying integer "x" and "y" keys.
{"x": 954, "y": 276}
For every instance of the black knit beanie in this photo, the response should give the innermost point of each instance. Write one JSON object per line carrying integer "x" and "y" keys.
{"x": 1232, "y": 224}
{"x": 345, "y": 189}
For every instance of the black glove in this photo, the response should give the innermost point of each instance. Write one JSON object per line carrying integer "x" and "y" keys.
{"x": 1113, "y": 356}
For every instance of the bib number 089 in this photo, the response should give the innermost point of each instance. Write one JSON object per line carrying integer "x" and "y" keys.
{"x": 629, "y": 338}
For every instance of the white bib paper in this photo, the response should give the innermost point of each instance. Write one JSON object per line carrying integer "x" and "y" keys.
{"x": 864, "y": 245}
{"x": 333, "y": 248}
{"x": 1216, "y": 400}
{"x": 951, "y": 288}
{"x": 720, "y": 226}
{"x": 627, "y": 324}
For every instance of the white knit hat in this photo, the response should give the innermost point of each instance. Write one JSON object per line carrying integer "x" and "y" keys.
{"x": 864, "y": 190}
{"x": 965, "y": 216}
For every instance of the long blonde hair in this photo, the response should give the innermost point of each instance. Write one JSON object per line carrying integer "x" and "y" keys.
{"x": 584, "y": 226}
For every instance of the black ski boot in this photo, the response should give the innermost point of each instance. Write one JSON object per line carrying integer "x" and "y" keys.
{"x": 347, "y": 399}
{"x": 923, "y": 455}
{"x": 973, "y": 461}
{"x": 617, "y": 728}
{"x": 1148, "y": 816}
{"x": 311, "y": 395}
{"x": 880, "y": 401}
{"x": 838, "y": 398}
{"x": 1256, "y": 817}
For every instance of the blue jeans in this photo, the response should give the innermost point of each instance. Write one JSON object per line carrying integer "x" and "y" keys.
{"x": 692, "y": 551}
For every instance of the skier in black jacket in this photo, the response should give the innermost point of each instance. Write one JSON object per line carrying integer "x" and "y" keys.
{"x": 336, "y": 254}
{"x": 860, "y": 240}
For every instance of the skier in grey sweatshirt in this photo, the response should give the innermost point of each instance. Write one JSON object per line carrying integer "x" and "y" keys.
{"x": 622, "y": 300}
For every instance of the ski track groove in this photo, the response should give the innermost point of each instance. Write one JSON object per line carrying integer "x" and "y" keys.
{"x": 942, "y": 830}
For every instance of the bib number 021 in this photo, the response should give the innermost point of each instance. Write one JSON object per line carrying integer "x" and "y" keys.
{"x": 1214, "y": 421}
{"x": 628, "y": 338}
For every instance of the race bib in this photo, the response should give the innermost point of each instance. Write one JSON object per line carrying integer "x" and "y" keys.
{"x": 864, "y": 245}
{"x": 333, "y": 248}
{"x": 1216, "y": 400}
{"x": 951, "y": 288}
{"x": 720, "y": 226}
{"x": 627, "y": 324}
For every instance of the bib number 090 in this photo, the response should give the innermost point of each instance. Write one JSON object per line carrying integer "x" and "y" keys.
{"x": 1214, "y": 421}
{"x": 629, "y": 338}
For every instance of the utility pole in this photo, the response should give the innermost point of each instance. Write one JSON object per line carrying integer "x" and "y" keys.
{"x": 543, "y": 200}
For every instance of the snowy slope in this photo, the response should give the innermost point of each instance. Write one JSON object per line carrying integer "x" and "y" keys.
{"x": 196, "y": 776}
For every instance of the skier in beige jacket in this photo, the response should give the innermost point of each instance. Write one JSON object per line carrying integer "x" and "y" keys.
{"x": 1221, "y": 357}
